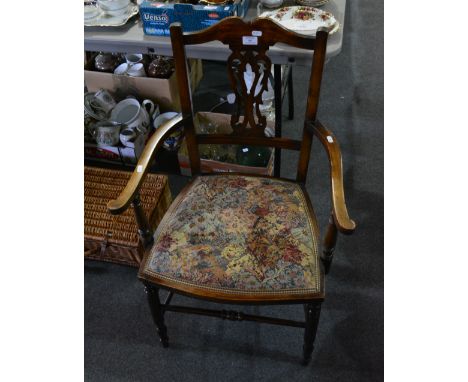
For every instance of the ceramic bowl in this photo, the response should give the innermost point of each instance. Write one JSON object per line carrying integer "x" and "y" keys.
{"x": 174, "y": 140}
{"x": 113, "y": 5}
{"x": 117, "y": 12}
{"x": 271, "y": 3}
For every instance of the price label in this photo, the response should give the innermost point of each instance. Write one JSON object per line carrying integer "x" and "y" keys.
{"x": 250, "y": 40}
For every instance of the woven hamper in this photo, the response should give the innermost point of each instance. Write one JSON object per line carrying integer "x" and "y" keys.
{"x": 115, "y": 238}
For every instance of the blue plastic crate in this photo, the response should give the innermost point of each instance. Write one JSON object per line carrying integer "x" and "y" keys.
{"x": 157, "y": 17}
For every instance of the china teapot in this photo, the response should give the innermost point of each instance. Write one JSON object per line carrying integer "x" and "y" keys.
{"x": 131, "y": 113}
{"x": 106, "y": 62}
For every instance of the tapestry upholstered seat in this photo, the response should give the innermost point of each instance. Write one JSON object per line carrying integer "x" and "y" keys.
{"x": 238, "y": 234}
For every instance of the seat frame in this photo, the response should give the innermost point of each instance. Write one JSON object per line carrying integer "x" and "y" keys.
{"x": 248, "y": 128}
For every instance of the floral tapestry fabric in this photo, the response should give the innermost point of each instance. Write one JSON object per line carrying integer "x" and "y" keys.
{"x": 239, "y": 233}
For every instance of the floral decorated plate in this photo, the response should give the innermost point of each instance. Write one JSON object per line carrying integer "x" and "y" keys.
{"x": 304, "y": 20}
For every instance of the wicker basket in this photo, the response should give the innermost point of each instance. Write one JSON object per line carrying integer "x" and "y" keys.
{"x": 115, "y": 238}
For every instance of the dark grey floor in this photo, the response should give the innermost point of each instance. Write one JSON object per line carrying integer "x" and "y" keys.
{"x": 120, "y": 340}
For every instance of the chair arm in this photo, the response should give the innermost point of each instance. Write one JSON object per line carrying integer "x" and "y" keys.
{"x": 340, "y": 213}
{"x": 126, "y": 197}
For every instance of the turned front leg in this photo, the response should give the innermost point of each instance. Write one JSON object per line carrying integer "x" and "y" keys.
{"x": 152, "y": 294}
{"x": 312, "y": 315}
{"x": 329, "y": 243}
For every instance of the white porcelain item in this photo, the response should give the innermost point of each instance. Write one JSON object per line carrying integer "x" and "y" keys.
{"x": 151, "y": 108}
{"x": 104, "y": 20}
{"x": 90, "y": 12}
{"x": 121, "y": 69}
{"x": 304, "y": 20}
{"x": 128, "y": 136}
{"x": 92, "y": 109}
{"x": 131, "y": 113}
{"x": 133, "y": 58}
{"x": 137, "y": 70}
{"x": 104, "y": 100}
{"x": 173, "y": 141}
{"x": 112, "y": 5}
{"x": 164, "y": 117}
{"x": 271, "y": 3}
{"x": 312, "y": 3}
{"x": 106, "y": 133}
{"x": 117, "y": 12}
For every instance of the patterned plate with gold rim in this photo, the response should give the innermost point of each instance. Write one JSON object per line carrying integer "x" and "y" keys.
{"x": 304, "y": 20}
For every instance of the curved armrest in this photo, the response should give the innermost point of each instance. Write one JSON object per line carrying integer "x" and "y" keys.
{"x": 340, "y": 213}
{"x": 126, "y": 197}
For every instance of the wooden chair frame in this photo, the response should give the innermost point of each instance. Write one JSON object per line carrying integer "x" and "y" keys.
{"x": 231, "y": 31}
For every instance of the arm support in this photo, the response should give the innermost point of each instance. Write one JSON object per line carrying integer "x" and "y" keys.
{"x": 126, "y": 197}
{"x": 340, "y": 213}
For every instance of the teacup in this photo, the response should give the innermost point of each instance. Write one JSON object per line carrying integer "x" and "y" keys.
{"x": 134, "y": 58}
{"x": 106, "y": 133}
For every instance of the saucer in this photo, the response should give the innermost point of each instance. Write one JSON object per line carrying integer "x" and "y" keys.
{"x": 104, "y": 20}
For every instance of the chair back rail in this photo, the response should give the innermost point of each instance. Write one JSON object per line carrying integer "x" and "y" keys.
{"x": 249, "y": 43}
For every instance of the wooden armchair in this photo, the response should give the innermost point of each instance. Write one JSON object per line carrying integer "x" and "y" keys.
{"x": 236, "y": 238}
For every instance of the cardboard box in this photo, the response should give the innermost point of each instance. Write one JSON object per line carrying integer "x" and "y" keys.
{"x": 157, "y": 17}
{"x": 162, "y": 91}
{"x": 208, "y": 166}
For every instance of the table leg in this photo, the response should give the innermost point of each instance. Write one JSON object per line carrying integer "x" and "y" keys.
{"x": 278, "y": 99}
{"x": 290, "y": 92}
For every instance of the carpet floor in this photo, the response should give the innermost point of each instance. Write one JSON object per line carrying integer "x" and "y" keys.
{"x": 121, "y": 343}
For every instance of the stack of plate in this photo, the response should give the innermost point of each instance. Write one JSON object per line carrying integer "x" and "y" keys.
{"x": 312, "y": 3}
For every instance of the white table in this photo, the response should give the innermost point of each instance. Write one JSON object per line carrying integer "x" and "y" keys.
{"x": 131, "y": 38}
